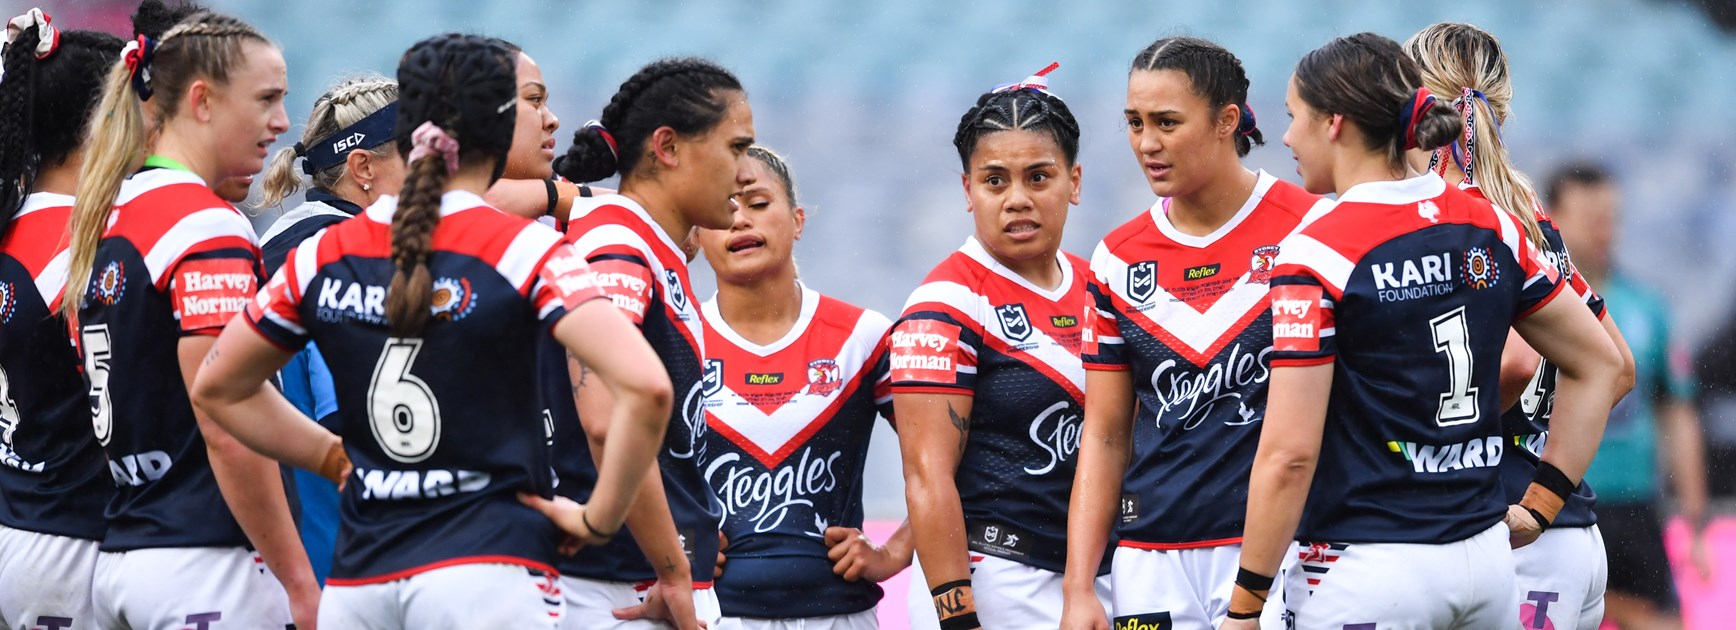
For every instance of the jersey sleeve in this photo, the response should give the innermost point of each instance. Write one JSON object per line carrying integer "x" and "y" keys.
{"x": 276, "y": 312}
{"x": 1303, "y": 312}
{"x": 1581, "y": 287}
{"x": 209, "y": 289}
{"x": 564, "y": 281}
{"x": 1104, "y": 349}
{"x": 1542, "y": 282}
{"x": 930, "y": 351}
{"x": 621, "y": 274}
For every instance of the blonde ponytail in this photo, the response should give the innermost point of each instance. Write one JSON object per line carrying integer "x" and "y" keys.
{"x": 114, "y": 146}
{"x": 282, "y": 178}
{"x": 345, "y": 104}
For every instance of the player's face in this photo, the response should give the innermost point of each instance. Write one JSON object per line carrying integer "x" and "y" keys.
{"x": 1173, "y": 131}
{"x": 714, "y": 166}
{"x": 533, "y": 135}
{"x": 761, "y": 242}
{"x": 250, "y": 106}
{"x": 1309, "y": 142}
{"x": 1019, "y": 187}
{"x": 1587, "y": 217}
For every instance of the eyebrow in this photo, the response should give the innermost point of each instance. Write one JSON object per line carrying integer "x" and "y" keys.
{"x": 1160, "y": 112}
{"x": 1029, "y": 167}
{"x": 534, "y": 84}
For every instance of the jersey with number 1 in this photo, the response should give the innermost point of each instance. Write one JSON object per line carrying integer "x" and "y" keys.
{"x": 53, "y": 478}
{"x": 1189, "y": 316}
{"x": 1407, "y": 290}
{"x": 443, "y": 428}
{"x": 645, "y": 274}
{"x": 176, "y": 261}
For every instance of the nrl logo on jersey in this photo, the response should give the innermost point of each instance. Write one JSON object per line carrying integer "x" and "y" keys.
{"x": 677, "y": 294}
{"x": 1014, "y": 322}
{"x": 824, "y": 377}
{"x": 1141, "y": 281}
{"x": 452, "y": 299}
{"x": 712, "y": 382}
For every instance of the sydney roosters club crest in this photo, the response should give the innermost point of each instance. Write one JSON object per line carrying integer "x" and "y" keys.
{"x": 110, "y": 283}
{"x": 1014, "y": 322}
{"x": 1260, "y": 266}
{"x": 824, "y": 377}
{"x": 1141, "y": 281}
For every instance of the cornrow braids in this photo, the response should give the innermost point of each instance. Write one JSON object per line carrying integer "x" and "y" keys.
{"x": 343, "y": 105}
{"x": 1017, "y": 109}
{"x": 778, "y": 167}
{"x": 43, "y": 107}
{"x": 466, "y": 85}
{"x": 686, "y": 94}
{"x": 1216, "y": 75}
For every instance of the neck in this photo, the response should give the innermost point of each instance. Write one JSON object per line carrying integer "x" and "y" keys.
{"x": 171, "y": 145}
{"x": 348, "y": 190}
{"x": 1214, "y": 204}
{"x": 1361, "y": 167}
{"x": 660, "y": 205}
{"x": 763, "y": 309}
{"x": 471, "y": 179}
{"x": 61, "y": 178}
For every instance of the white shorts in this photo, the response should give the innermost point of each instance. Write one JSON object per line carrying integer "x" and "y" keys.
{"x": 1561, "y": 578}
{"x": 455, "y": 597}
{"x": 1009, "y": 595}
{"x": 45, "y": 580}
{"x": 865, "y": 620}
{"x": 193, "y": 588}
{"x": 1186, "y": 589}
{"x": 591, "y": 605}
{"x": 1398, "y": 586}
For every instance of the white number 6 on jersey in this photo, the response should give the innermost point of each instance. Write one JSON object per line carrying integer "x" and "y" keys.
{"x": 401, "y": 408}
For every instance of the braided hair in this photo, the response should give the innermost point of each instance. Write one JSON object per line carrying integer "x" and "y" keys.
{"x": 1216, "y": 75}
{"x": 684, "y": 93}
{"x": 345, "y": 104}
{"x": 466, "y": 85}
{"x": 43, "y": 106}
{"x": 1017, "y": 109}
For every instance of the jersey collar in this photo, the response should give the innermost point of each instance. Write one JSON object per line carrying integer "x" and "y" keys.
{"x": 1396, "y": 192}
{"x": 714, "y": 316}
{"x": 1160, "y": 216}
{"x": 975, "y": 250}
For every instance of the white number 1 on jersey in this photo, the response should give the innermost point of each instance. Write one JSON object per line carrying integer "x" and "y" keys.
{"x": 1453, "y": 336}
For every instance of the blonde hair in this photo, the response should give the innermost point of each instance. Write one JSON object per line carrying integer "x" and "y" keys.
{"x": 205, "y": 45}
{"x": 1467, "y": 62}
{"x": 348, "y": 102}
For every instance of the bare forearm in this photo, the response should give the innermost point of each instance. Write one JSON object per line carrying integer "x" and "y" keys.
{"x": 1582, "y": 407}
{"x": 252, "y": 486}
{"x": 1091, "y": 511}
{"x": 937, "y": 517}
{"x": 902, "y": 544}
{"x": 653, "y": 527}
{"x": 269, "y": 425}
{"x": 1277, "y": 490}
{"x": 635, "y": 435}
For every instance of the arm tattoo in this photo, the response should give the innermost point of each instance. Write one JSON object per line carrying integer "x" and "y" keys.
{"x": 211, "y": 357}
{"x": 953, "y": 602}
{"x": 962, "y": 423}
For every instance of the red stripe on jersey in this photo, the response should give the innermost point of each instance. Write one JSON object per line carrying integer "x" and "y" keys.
{"x": 1182, "y": 348}
{"x": 452, "y": 562}
{"x": 658, "y": 245}
{"x": 168, "y": 198}
{"x": 1354, "y": 228}
{"x": 1203, "y": 544}
{"x": 34, "y": 239}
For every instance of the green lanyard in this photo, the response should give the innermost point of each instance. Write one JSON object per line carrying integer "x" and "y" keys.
{"x": 160, "y": 161}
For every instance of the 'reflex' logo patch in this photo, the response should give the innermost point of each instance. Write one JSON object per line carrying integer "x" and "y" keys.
{"x": 1145, "y": 621}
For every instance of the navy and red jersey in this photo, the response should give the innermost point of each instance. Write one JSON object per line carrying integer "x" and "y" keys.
{"x": 1526, "y": 424}
{"x": 1407, "y": 289}
{"x": 443, "y": 429}
{"x": 175, "y": 261}
{"x": 790, "y": 423}
{"x": 975, "y": 328}
{"x": 645, "y": 274}
{"x": 1190, "y": 317}
{"x": 53, "y": 478}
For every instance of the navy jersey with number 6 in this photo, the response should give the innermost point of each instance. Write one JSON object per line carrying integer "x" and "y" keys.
{"x": 789, "y": 427}
{"x": 53, "y": 478}
{"x": 175, "y": 261}
{"x": 1407, "y": 289}
{"x": 443, "y": 428}
{"x": 975, "y": 328}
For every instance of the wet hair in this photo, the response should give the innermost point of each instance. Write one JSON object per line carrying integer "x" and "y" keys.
{"x": 1216, "y": 74}
{"x": 1467, "y": 63}
{"x": 1021, "y": 109}
{"x": 687, "y": 94}
{"x": 345, "y": 104}
{"x": 778, "y": 167}
{"x": 44, "y": 104}
{"x": 1369, "y": 80}
{"x": 466, "y": 85}
{"x": 203, "y": 45}
{"x": 1582, "y": 173}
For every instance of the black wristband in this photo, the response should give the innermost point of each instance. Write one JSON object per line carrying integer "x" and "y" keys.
{"x": 584, "y": 517}
{"x": 1553, "y": 480}
{"x": 1254, "y": 582}
{"x": 554, "y": 196}
{"x": 1243, "y": 615}
{"x": 939, "y": 590}
{"x": 967, "y": 621}
{"x": 1542, "y": 523}
{"x": 584, "y": 191}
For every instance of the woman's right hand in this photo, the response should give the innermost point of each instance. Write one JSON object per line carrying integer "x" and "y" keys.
{"x": 668, "y": 600}
{"x": 1083, "y": 612}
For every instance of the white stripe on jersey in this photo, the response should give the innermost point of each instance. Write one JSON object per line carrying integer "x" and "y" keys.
{"x": 971, "y": 305}
{"x": 1303, "y": 250}
{"x": 52, "y": 280}
{"x": 192, "y": 230}
{"x": 1510, "y": 233}
{"x": 285, "y": 323}
{"x": 614, "y": 234}
{"x": 153, "y": 179}
{"x": 306, "y": 263}
{"x": 1196, "y": 329}
{"x": 40, "y": 200}
{"x": 519, "y": 262}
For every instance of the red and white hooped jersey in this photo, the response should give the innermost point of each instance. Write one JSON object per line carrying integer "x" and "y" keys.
{"x": 790, "y": 423}
{"x": 976, "y": 328}
{"x": 443, "y": 428}
{"x": 1190, "y": 317}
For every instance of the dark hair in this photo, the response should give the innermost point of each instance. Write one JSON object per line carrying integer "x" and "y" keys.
{"x": 1216, "y": 74}
{"x": 1369, "y": 80}
{"x": 153, "y": 18}
{"x": 778, "y": 167}
{"x": 44, "y": 104}
{"x": 459, "y": 83}
{"x": 1024, "y": 109}
{"x": 682, "y": 93}
{"x": 1577, "y": 173}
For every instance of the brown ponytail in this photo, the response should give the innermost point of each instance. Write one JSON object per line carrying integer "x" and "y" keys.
{"x": 409, "y": 299}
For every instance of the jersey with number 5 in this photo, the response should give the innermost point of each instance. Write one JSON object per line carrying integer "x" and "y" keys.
{"x": 1407, "y": 289}
{"x": 443, "y": 428}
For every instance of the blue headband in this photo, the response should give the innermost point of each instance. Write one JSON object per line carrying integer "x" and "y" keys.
{"x": 371, "y": 131}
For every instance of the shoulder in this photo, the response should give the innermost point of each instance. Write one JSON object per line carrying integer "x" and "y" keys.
{"x": 1289, "y": 199}
{"x": 954, "y": 283}
{"x": 849, "y": 316}
{"x": 1128, "y": 231}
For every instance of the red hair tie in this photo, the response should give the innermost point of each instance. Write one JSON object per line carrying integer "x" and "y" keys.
{"x": 1413, "y": 112}
{"x": 608, "y": 138}
{"x": 137, "y": 56}
{"x": 1038, "y": 81}
{"x": 35, "y": 18}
